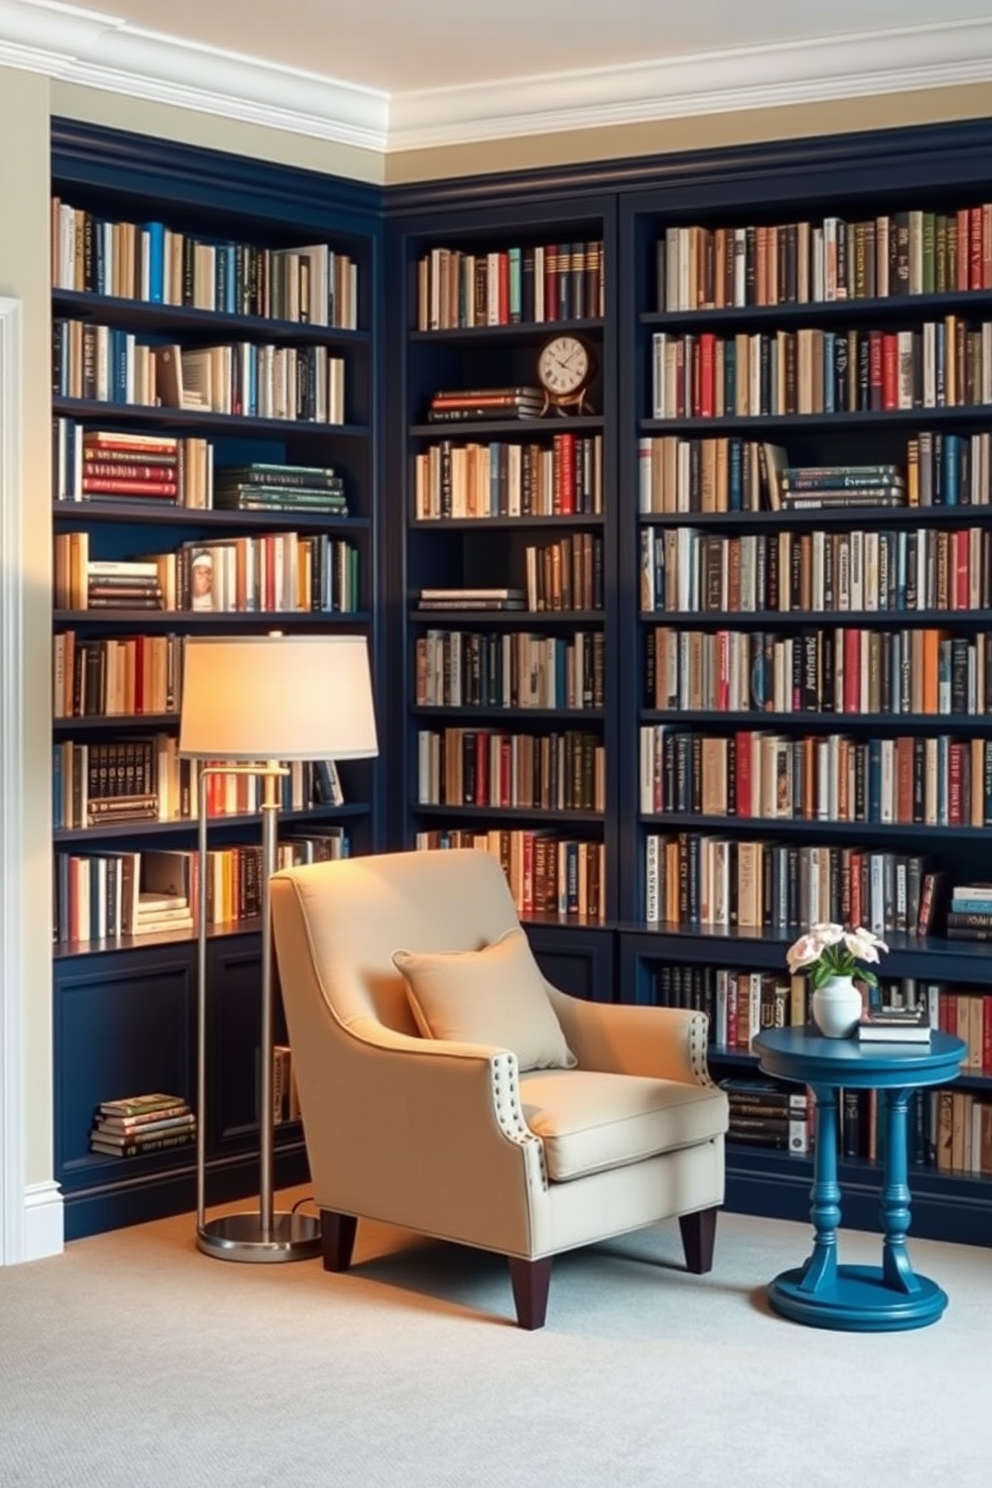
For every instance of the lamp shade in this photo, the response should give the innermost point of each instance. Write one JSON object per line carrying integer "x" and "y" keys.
{"x": 277, "y": 697}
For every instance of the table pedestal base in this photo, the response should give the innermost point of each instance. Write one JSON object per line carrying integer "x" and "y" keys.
{"x": 857, "y": 1300}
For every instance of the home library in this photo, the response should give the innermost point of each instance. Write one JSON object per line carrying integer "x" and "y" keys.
{"x": 687, "y": 481}
{"x": 214, "y": 471}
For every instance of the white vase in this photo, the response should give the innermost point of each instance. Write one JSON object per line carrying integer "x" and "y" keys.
{"x": 836, "y": 1007}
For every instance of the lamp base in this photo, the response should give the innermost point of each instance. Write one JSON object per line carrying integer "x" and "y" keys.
{"x": 243, "y": 1237}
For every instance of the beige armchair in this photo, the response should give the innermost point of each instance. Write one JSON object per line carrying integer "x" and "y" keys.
{"x": 450, "y": 1138}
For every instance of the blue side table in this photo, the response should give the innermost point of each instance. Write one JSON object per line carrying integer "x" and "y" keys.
{"x": 863, "y": 1299}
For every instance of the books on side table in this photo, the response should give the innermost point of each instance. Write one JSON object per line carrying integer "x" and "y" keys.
{"x": 894, "y": 1025}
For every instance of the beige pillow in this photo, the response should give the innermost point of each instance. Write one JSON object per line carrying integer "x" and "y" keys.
{"x": 492, "y": 996}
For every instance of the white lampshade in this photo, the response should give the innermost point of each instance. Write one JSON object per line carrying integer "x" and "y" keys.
{"x": 277, "y": 697}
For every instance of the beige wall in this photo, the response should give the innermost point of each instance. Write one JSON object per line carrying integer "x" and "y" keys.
{"x": 93, "y": 106}
{"x": 26, "y": 102}
{"x": 709, "y": 131}
{"x": 24, "y": 275}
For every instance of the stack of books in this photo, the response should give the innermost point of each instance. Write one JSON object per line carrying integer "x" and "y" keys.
{"x": 805, "y": 487}
{"x": 122, "y": 585}
{"x": 142, "y": 1123}
{"x": 472, "y": 598}
{"x": 970, "y": 914}
{"x": 260, "y": 486}
{"x": 894, "y": 1025}
{"x": 467, "y": 404}
{"x": 764, "y": 1114}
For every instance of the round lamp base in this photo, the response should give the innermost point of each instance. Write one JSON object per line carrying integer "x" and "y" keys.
{"x": 243, "y": 1237}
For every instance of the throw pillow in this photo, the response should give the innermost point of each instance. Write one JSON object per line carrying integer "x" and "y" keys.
{"x": 492, "y": 996}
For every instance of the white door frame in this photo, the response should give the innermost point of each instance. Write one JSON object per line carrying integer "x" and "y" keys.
{"x": 12, "y": 1193}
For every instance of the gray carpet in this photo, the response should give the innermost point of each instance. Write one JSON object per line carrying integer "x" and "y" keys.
{"x": 133, "y": 1360}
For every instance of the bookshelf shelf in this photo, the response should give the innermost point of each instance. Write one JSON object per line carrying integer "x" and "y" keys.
{"x": 160, "y": 319}
{"x": 892, "y": 309}
{"x": 94, "y": 410}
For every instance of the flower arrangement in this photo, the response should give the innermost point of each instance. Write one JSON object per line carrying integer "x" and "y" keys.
{"x": 832, "y": 950}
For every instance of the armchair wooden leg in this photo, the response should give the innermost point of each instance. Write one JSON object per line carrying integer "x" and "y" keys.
{"x": 530, "y": 1281}
{"x": 337, "y": 1238}
{"x": 698, "y": 1240}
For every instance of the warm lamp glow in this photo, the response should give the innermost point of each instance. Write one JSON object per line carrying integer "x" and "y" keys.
{"x": 277, "y": 697}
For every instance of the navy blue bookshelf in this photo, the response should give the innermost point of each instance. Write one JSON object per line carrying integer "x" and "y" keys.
{"x": 124, "y": 1015}
{"x": 396, "y": 366}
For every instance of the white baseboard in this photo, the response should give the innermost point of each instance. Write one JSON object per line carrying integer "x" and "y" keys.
{"x": 43, "y": 1228}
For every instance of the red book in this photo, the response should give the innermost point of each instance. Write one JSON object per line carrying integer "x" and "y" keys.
{"x": 564, "y": 474}
{"x": 955, "y": 793}
{"x": 707, "y": 374}
{"x": 959, "y": 568}
{"x": 852, "y": 670}
{"x": 551, "y": 282}
{"x": 503, "y": 289}
{"x": 732, "y": 1010}
{"x": 857, "y": 895}
{"x": 482, "y": 767}
{"x": 743, "y": 758}
{"x": 527, "y": 889}
{"x": 890, "y": 370}
{"x": 875, "y": 381}
{"x": 975, "y": 249}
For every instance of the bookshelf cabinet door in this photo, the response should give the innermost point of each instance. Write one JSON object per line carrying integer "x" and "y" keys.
{"x": 124, "y": 1024}
{"x": 577, "y": 961}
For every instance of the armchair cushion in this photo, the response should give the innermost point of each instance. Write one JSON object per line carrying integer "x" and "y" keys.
{"x": 493, "y": 996}
{"x": 590, "y": 1121}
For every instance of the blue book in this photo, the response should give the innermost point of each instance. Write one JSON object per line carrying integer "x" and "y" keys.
{"x": 950, "y": 476}
{"x": 154, "y": 242}
{"x": 829, "y": 383}
{"x": 943, "y": 752}
{"x": 730, "y": 377}
{"x": 735, "y": 475}
{"x": 874, "y": 780}
{"x": 516, "y": 285}
{"x": 962, "y": 905}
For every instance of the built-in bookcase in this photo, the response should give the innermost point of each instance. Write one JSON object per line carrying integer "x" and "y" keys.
{"x": 808, "y": 674}
{"x": 508, "y": 703}
{"x": 214, "y": 327}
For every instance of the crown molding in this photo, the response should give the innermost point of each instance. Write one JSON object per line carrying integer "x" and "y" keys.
{"x": 103, "y": 51}
{"x": 707, "y": 83}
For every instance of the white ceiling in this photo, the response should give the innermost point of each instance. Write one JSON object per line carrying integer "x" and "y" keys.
{"x": 399, "y": 73}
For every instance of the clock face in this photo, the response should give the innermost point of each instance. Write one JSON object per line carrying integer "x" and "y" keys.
{"x": 564, "y": 366}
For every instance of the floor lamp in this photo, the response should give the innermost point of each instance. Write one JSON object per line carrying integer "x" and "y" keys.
{"x": 250, "y": 704}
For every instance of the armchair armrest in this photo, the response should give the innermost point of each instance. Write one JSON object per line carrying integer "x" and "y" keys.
{"x": 627, "y": 1039}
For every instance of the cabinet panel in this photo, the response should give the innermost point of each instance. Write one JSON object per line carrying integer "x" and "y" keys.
{"x": 124, "y": 1024}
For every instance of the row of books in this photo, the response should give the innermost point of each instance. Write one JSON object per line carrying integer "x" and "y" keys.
{"x": 509, "y": 669}
{"x": 285, "y": 572}
{"x": 244, "y": 379}
{"x": 836, "y": 671}
{"x": 103, "y": 897}
{"x": 687, "y": 569}
{"x": 559, "y": 281}
{"x": 134, "y": 1125}
{"x": 913, "y": 252}
{"x": 740, "y": 1002}
{"x": 547, "y": 872}
{"x": 116, "y": 676}
{"x": 153, "y": 262}
{"x": 754, "y": 775}
{"x": 557, "y": 771}
{"x": 944, "y": 364}
{"x": 729, "y": 474}
{"x": 703, "y": 880}
{"x": 144, "y": 779}
{"x": 109, "y": 465}
{"x": 503, "y": 479}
